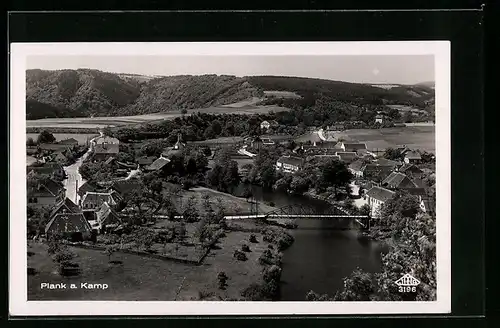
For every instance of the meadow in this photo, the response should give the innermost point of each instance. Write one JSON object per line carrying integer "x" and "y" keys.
{"x": 414, "y": 137}
{"x": 101, "y": 122}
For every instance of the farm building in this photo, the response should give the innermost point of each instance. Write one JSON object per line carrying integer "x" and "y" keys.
{"x": 86, "y": 187}
{"x": 104, "y": 140}
{"x": 92, "y": 201}
{"x": 64, "y": 206}
{"x": 410, "y": 170}
{"x": 289, "y": 164}
{"x": 398, "y": 180}
{"x": 352, "y": 147}
{"x": 72, "y": 225}
{"x": 346, "y": 156}
{"x": 106, "y": 215}
{"x": 50, "y": 168}
{"x": 52, "y": 147}
{"x": 159, "y": 165}
{"x": 357, "y": 168}
{"x": 103, "y": 152}
{"x": 412, "y": 157}
{"x": 69, "y": 141}
{"x": 376, "y": 197}
{"x": 124, "y": 187}
{"x": 46, "y": 193}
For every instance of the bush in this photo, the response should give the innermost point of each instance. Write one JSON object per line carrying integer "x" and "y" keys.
{"x": 253, "y": 238}
{"x": 63, "y": 256}
{"x": 240, "y": 256}
{"x": 252, "y": 292}
{"x": 266, "y": 258}
{"x": 31, "y": 271}
{"x": 272, "y": 273}
{"x": 245, "y": 248}
{"x": 222, "y": 277}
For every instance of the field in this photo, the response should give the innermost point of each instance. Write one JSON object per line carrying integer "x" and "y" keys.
{"x": 141, "y": 278}
{"x": 415, "y": 137}
{"x": 101, "y": 122}
{"x": 282, "y": 94}
{"x": 81, "y": 137}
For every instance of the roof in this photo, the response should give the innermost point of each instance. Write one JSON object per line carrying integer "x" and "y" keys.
{"x": 271, "y": 122}
{"x": 387, "y": 162}
{"x": 357, "y": 165}
{"x": 124, "y": 187}
{"x": 412, "y": 155}
{"x": 66, "y": 204}
{"x": 380, "y": 193}
{"x": 110, "y": 197}
{"x": 69, "y": 141}
{"x": 68, "y": 222}
{"x": 398, "y": 180}
{"x": 106, "y": 139}
{"x": 106, "y": 149}
{"x": 170, "y": 151}
{"x": 85, "y": 187}
{"x": 327, "y": 156}
{"x": 52, "y": 146}
{"x": 347, "y": 156}
{"x": 374, "y": 167}
{"x": 46, "y": 189}
{"x": 106, "y": 213}
{"x": 146, "y": 160}
{"x": 158, "y": 164}
{"x": 290, "y": 160}
{"x": 416, "y": 191}
{"x": 409, "y": 168}
{"x": 47, "y": 168}
{"x": 354, "y": 146}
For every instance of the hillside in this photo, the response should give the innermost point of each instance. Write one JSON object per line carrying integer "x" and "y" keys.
{"x": 87, "y": 92}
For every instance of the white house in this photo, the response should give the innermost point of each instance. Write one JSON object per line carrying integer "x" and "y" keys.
{"x": 412, "y": 157}
{"x": 265, "y": 125}
{"x": 379, "y": 119}
{"x": 352, "y": 147}
{"x": 289, "y": 164}
{"x": 376, "y": 197}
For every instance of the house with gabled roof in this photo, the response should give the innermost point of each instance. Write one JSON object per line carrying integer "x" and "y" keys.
{"x": 145, "y": 160}
{"x": 106, "y": 216}
{"x": 289, "y": 164}
{"x": 346, "y": 156}
{"x": 69, "y": 141}
{"x": 352, "y": 146}
{"x": 158, "y": 165}
{"x": 410, "y": 170}
{"x": 376, "y": 197}
{"x": 86, "y": 187}
{"x": 357, "y": 167}
{"x": 124, "y": 187}
{"x": 72, "y": 225}
{"x": 412, "y": 157}
{"x": 101, "y": 152}
{"x": 46, "y": 193}
{"x": 177, "y": 148}
{"x": 397, "y": 180}
{"x": 92, "y": 201}
{"x": 64, "y": 206}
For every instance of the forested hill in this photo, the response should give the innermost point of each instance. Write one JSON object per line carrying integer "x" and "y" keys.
{"x": 87, "y": 92}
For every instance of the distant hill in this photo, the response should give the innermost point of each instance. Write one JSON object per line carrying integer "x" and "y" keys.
{"x": 88, "y": 92}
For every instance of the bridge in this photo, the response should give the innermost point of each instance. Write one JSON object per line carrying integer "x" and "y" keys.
{"x": 305, "y": 212}
{"x": 291, "y": 212}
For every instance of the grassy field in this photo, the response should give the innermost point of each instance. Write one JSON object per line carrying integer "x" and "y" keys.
{"x": 141, "y": 278}
{"x": 231, "y": 203}
{"x": 99, "y": 122}
{"x": 421, "y": 136}
{"x": 415, "y": 137}
{"x": 81, "y": 137}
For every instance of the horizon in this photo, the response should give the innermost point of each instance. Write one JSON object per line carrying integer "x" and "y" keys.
{"x": 361, "y": 69}
{"x": 205, "y": 74}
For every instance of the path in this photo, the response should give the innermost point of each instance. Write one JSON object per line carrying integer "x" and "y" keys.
{"x": 74, "y": 179}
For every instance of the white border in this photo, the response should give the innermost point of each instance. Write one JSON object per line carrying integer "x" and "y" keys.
{"x": 18, "y": 304}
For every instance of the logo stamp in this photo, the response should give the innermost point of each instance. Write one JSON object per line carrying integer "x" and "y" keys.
{"x": 407, "y": 284}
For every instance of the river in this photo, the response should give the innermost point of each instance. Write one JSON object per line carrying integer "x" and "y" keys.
{"x": 321, "y": 255}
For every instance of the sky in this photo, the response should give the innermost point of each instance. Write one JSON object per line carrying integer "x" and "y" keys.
{"x": 395, "y": 69}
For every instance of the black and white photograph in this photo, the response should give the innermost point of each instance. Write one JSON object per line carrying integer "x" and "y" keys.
{"x": 230, "y": 178}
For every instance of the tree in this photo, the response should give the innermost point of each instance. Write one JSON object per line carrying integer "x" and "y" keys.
{"x": 408, "y": 117}
{"x": 392, "y": 154}
{"x": 222, "y": 278}
{"x": 333, "y": 173}
{"x": 30, "y": 142}
{"x": 359, "y": 286}
{"x": 110, "y": 250}
{"x": 365, "y": 209}
{"x": 45, "y": 137}
{"x": 184, "y": 111}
